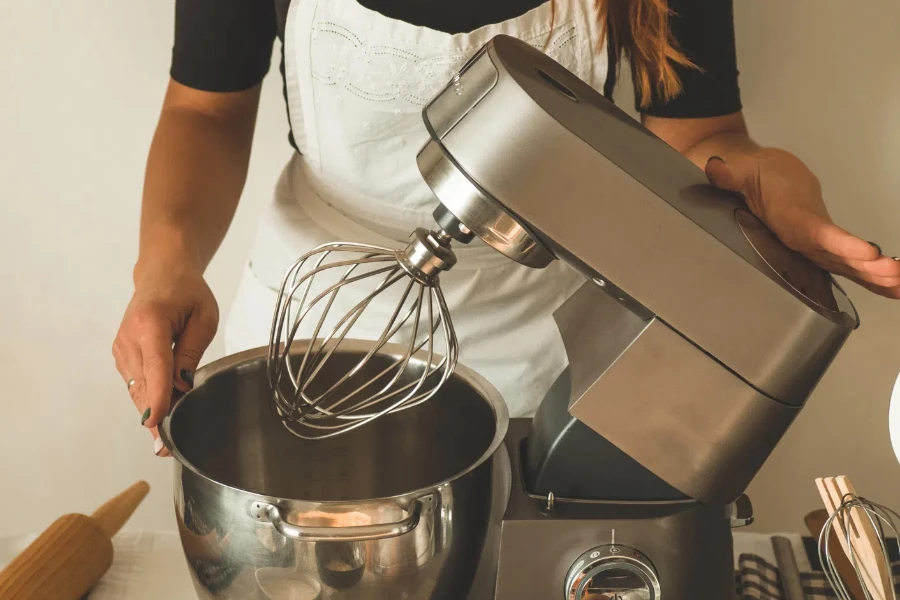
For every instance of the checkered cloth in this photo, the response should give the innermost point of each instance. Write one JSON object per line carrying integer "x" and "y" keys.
{"x": 758, "y": 579}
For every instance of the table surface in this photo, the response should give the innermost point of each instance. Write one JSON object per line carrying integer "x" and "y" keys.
{"x": 149, "y": 565}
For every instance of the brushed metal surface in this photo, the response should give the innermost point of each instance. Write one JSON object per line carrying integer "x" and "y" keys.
{"x": 495, "y": 226}
{"x": 664, "y": 402}
{"x": 448, "y": 108}
{"x": 612, "y": 570}
{"x": 604, "y": 194}
{"x": 400, "y": 508}
{"x": 689, "y": 544}
{"x": 561, "y": 450}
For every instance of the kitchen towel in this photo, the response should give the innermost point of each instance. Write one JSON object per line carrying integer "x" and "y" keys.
{"x": 758, "y": 579}
{"x": 149, "y": 565}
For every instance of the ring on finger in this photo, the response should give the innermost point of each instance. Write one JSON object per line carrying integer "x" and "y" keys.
{"x": 130, "y": 383}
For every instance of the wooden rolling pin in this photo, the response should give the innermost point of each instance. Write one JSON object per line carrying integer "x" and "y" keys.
{"x": 72, "y": 554}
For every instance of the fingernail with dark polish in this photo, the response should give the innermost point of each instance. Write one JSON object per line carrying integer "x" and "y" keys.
{"x": 187, "y": 377}
{"x": 145, "y": 416}
{"x": 877, "y": 247}
{"x": 719, "y": 158}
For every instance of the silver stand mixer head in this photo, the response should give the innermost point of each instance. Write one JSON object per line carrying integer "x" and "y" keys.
{"x": 694, "y": 342}
{"x": 311, "y": 400}
{"x": 697, "y": 336}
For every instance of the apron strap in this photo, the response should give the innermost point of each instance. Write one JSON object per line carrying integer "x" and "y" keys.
{"x": 299, "y": 76}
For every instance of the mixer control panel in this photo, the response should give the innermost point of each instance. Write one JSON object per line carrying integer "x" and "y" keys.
{"x": 612, "y": 572}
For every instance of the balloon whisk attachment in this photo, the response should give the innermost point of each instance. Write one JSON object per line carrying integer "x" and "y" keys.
{"x": 319, "y": 391}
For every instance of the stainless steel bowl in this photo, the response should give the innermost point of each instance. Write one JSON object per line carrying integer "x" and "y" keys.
{"x": 406, "y": 500}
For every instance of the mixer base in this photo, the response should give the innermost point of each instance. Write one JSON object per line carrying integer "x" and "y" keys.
{"x": 567, "y": 549}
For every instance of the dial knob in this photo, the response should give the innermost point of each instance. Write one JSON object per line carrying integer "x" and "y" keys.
{"x": 612, "y": 572}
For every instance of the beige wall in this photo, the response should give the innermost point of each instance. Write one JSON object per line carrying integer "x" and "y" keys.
{"x": 80, "y": 87}
{"x": 822, "y": 78}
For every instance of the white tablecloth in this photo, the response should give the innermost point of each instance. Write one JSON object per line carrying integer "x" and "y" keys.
{"x": 149, "y": 565}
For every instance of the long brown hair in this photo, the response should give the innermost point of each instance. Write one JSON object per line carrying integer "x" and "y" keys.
{"x": 639, "y": 30}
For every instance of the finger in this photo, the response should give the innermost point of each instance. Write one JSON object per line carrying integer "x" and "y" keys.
{"x": 831, "y": 238}
{"x": 159, "y": 448}
{"x": 885, "y": 282}
{"x": 721, "y": 175}
{"x": 883, "y": 266}
{"x": 126, "y": 358}
{"x": 884, "y": 272}
{"x": 130, "y": 366}
{"x": 156, "y": 363}
{"x": 892, "y": 292}
{"x": 886, "y": 288}
{"x": 191, "y": 344}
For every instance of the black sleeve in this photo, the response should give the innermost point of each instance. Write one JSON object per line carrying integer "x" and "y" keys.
{"x": 222, "y": 45}
{"x": 704, "y": 30}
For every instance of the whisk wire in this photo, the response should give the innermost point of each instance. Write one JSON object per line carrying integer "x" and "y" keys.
{"x": 331, "y": 292}
{"x": 347, "y": 321}
{"x": 399, "y": 365}
{"x": 452, "y": 351}
{"x": 293, "y": 273}
{"x": 325, "y": 395}
{"x": 282, "y": 322}
{"x": 388, "y": 332}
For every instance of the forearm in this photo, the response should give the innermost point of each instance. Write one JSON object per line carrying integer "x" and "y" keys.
{"x": 701, "y": 139}
{"x": 195, "y": 175}
{"x": 727, "y": 138}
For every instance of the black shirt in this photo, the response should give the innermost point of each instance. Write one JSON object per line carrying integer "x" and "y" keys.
{"x": 226, "y": 45}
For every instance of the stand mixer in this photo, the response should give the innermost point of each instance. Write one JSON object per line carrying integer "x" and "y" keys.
{"x": 693, "y": 344}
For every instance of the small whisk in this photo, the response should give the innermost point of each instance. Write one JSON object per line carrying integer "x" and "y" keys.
{"x": 862, "y": 527}
{"x": 315, "y": 391}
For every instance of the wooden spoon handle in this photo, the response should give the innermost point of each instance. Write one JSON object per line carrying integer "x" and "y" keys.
{"x": 815, "y": 522}
{"x": 868, "y": 548}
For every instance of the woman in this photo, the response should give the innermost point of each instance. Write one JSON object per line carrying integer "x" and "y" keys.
{"x": 356, "y": 74}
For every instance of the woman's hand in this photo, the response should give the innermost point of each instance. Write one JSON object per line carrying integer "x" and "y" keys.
{"x": 195, "y": 174}
{"x": 171, "y": 305}
{"x": 782, "y": 191}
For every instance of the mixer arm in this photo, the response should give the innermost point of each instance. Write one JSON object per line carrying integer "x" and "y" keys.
{"x": 732, "y": 330}
{"x": 583, "y": 182}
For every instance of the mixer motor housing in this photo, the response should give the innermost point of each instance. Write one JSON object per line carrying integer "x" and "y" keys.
{"x": 693, "y": 344}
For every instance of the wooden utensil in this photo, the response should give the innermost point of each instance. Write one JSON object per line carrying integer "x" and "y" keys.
{"x": 857, "y": 537}
{"x": 815, "y": 522}
{"x": 72, "y": 554}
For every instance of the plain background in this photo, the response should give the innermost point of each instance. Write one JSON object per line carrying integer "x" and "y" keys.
{"x": 80, "y": 90}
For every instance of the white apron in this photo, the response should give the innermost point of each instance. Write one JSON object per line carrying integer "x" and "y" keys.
{"x": 357, "y": 82}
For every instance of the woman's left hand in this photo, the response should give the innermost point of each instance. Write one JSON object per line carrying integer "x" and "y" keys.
{"x": 784, "y": 193}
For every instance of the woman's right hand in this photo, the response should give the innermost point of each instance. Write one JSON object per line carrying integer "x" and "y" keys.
{"x": 195, "y": 175}
{"x": 171, "y": 305}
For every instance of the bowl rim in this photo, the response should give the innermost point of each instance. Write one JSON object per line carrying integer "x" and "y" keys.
{"x": 234, "y": 361}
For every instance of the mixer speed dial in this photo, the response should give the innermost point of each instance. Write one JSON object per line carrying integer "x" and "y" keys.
{"x": 612, "y": 572}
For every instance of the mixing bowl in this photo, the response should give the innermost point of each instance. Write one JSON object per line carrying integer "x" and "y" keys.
{"x": 399, "y": 508}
